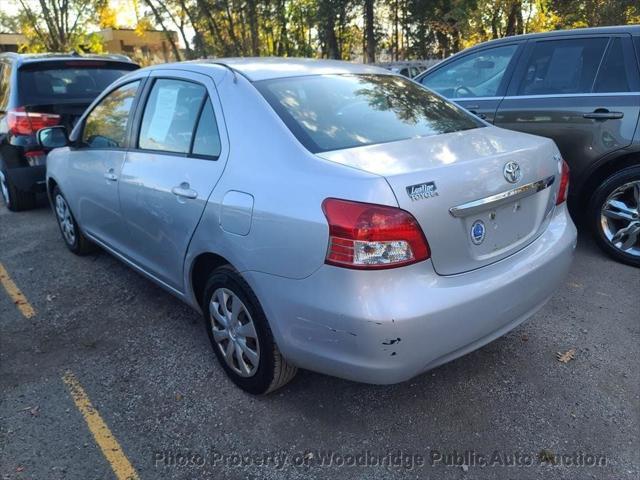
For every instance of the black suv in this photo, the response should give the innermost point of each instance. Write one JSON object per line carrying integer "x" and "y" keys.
{"x": 582, "y": 89}
{"x": 38, "y": 91}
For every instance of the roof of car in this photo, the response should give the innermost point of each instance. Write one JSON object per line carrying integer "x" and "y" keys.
{"x": 631, "y": 29}
{"x": 45, "y": 57}
{"x": 266, "y": 68}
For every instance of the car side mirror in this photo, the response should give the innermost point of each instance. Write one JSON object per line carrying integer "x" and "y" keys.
{"x": 53, "y": 137}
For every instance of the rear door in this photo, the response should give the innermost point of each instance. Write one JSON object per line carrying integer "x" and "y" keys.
{"x": 581, "y": 91}
{"x": 177, "y": 158}
{"x": 476, "y": 81}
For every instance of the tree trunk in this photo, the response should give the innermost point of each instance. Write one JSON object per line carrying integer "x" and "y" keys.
{"x": 167, "y": 33}
{"x": 253, "y": 28}
{"x": 369, "y": 31}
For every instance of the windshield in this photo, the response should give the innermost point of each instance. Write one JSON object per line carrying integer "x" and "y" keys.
{"x": 43, "y": 85}
{"x": 332, "y": 112}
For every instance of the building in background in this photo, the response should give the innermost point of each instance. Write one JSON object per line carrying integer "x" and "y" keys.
{"x": 148, "y": 47}
{"x": 10, "y": 42}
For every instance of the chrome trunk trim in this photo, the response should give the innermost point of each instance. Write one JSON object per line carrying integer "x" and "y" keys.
{"x": 498, "y": 199}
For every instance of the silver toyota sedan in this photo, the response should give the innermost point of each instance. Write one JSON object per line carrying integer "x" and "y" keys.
{"x": 320, "y": 214}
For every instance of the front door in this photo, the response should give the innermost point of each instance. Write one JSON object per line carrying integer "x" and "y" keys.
{"x": 168, "y": 175}
{"x": 94, "y": 166}
{"x": 580, "y": 91}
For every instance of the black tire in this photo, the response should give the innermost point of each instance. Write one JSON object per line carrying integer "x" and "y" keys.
{"x": 79, "y": 244}
{"x": 598, "y": 201}
{"x": 16, "y": 200}
{"x": 273, "y": 371}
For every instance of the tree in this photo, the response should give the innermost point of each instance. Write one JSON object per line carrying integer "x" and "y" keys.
{"x": 369, "y": 31}
{"x": 59, "y": 25}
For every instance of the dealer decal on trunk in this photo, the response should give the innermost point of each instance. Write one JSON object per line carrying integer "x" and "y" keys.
{"x": 422, "y": 191}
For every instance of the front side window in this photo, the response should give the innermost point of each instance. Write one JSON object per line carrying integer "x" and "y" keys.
{"x": 560, "y": 67}
{"x": 332, "y": 112}
{"x": 106, "y": 126}
{"x": 170, "y": 116}
{"x": 475, "y": 75}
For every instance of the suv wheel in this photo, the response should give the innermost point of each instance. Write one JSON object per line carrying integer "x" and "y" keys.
{"x": 73, "y": 237}
{"x": 15, "y": 200}
{"x": 614, "y": 215}
{"x": 240, "y": 334}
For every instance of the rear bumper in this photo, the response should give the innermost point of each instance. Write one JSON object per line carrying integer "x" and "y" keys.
{"x": 29, "y": 179}
{"x": 388, "y": 326}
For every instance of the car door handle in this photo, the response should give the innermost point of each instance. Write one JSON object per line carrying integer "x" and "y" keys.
{"x": 110, "y": 175}
{"x": 183, "y": 190}
{"x": 603, "y": 114}
{"x": 479, "y": 115}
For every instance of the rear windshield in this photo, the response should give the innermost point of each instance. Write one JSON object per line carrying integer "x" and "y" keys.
{"x": 332, "y": 112}
{"x": 70, "y": 82}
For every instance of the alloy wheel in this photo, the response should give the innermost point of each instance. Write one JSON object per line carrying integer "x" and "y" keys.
{"x": 65, "y": 220}
{"x": 620, "y": 218}
{"x": 4, "y": 188}
{"x": 234, "y": 332}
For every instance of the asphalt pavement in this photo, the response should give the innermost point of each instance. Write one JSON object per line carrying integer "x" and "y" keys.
{"x": 108, "y": 376}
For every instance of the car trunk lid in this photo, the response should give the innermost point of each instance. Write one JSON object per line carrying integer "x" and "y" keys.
{"x": 455, "y": 185}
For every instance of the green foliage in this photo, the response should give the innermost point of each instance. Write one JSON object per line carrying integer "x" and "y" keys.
{"x": 401, "y": 29}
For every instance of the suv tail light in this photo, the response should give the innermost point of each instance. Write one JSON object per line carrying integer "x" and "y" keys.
{"x": 564, "y": 183}
{"x": 21, "y": 122}
{"x": 368, "y": 236}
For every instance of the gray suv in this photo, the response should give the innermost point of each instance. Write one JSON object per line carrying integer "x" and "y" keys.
{"x": 582, "y": 89}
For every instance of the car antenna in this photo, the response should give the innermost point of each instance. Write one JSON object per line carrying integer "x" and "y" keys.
{"x": 232, "y": 70}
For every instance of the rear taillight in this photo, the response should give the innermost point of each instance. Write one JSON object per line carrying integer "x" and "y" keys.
{"x": 564, "y": 183}
{"x": 368, "y": 236}
{"x": 21, "y": 122}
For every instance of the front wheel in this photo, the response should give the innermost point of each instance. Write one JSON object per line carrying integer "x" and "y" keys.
{"x": 73, "y": 237}
{"x": 614, "y": 215}
{"x": 240, "y": 334}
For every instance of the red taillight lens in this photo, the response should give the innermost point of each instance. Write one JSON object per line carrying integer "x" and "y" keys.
{"x": 21, "y": 122}
{"x": 564, "y": 184}
{"x": 368, "y": 236}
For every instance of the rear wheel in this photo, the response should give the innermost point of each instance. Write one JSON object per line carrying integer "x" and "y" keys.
{"x": 240, "y": 334}
{"x": 73, "y": 237}
{"x": 15, "y": 200}
{"x": 614, "y": 215}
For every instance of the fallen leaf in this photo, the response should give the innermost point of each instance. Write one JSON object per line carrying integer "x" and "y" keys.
{"x": 525, "y": 338}
{"x": 547, "y": 456}
{"x": 20, "y": 469}
{"x": 35, "y": 411}
{"x": 178, "y": 396}
{"x": 567, "y": 356}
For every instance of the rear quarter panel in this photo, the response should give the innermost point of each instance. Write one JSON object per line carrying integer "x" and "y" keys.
{"x": 288, "y": 233}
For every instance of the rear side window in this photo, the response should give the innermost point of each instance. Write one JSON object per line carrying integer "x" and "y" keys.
{"x": 106, "y": 126}
{"x": 332, "y": 112}
{"x": 559, "y": 67}
{"x": 207, "y": 139}
{"x": 72, "y": 81}
{"x": 614, "y": 74}
{"x": 475, "y": 75}
{"x": 170, "y": 115}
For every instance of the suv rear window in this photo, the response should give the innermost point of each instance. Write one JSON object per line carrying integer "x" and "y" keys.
{"x": 72, "y": 81}
{"x": 332, "y": 112}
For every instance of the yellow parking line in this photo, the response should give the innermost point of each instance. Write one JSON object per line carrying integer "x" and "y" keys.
{"x": 16, "y": 295}
{"x": 110, "y": 447}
